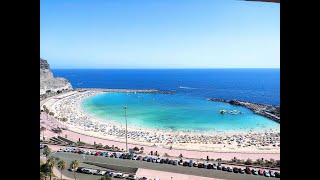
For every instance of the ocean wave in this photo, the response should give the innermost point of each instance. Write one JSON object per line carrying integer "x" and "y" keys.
{"x": 184, "y": 87}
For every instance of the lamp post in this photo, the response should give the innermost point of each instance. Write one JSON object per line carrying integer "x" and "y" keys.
{"x": 125, "y": 114}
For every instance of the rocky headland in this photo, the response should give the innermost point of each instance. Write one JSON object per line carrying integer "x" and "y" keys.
{"x": 49, "y": 85}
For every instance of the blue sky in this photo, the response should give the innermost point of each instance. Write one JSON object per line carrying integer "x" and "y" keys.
{"x": 160, "y": 34}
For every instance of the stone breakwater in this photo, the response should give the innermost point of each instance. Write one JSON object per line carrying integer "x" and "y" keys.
{"x": 124, "y": 90}
{"x": 269, "y": 111}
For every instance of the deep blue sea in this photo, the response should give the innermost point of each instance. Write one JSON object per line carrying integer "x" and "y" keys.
{"x": 189, "y": 108}
{"x": 254, "y": 85}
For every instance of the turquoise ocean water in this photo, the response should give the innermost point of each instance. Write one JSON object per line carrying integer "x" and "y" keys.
{"x": 174, "y": 112}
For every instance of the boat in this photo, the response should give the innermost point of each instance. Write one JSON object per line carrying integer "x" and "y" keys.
{"x": 223, "y": 111}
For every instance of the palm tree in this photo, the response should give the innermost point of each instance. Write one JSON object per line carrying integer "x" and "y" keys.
{"x": 47, "y": 111}
{"x": 74, "y": 165}
{"x": 46, "y": 152}
{"x": 61, "y": 166}
{"x": 42, "y": 129}
{"x": 42, "y": 176}
{"x": 51, "y": 161}
{"x": 65, "y": 120}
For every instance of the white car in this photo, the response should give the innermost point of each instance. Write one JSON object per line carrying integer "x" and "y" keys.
{"x": 135, "y": 158}
{"x": 154, "y": 160}
{"x": 180, "y": 163}
{"x": 158, "y": 160}
{"x": 266, "y": 173}
{"x": 87, "y": 171}
{"x": 61, "y": 150}
{"x": 99, "y": 172}
{"x": 93, "y": 152}
{"x": 119, "y": 175}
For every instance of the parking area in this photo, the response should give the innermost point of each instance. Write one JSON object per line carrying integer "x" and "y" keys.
{"x": 116, "y": 162}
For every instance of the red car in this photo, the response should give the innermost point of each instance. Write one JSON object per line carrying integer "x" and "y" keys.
{"x": 248, "y": 170}
{"x": 260, "y": 172}
{"x": 98, "y": 153}
{"x": 77, "y": 151}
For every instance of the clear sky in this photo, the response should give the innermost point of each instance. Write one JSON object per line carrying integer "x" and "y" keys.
{"x": 160, "y": 34}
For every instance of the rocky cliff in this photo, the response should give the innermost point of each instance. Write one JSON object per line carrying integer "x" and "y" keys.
{"x": 48, "y": 84}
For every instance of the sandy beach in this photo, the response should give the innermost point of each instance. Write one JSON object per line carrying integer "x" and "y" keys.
{"x": 226, "y": 145}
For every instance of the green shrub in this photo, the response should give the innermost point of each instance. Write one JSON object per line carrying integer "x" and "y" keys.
{"x": 248, "y": 162}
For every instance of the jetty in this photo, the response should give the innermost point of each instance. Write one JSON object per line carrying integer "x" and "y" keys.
{"x": 268, "y": 111}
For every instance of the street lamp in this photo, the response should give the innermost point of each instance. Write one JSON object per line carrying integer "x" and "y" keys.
{"x": 125, "y": 114}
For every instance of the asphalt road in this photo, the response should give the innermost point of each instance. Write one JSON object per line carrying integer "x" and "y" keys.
{"x": 68, "y": 157}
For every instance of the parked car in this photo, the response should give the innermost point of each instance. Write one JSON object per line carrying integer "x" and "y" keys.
{"x": 235, "y": 170}
{"x": 103, "y": 153}
{"x": 219, "y": 167}
{"x": 162, "y": 161}
{"x": 266, "y": 173}
{"x": 97, "y": 153}
{"x": 200, "y": 165}
{"x": 128, "y": 156}
{"x": 166, "y": 161}
{"x": 170, "y": 161}
{"x": 230, "y": 169}
{"x": 158, "y": 160}
{"x": 277, "y": 174}
{"x": 131, "y": 177}
{"x": 87, "y": 171}
{"x": 180, "y": 163}
{"x": 185, "y": 163}
{"x": 119, "y": 175}
{"x": 224, "y": 168}
{"x": 139, "y": 158}
{"x": 241, "y": 170}
{"x": 109, "y": 173}
{"x": 175, "y": 162}
{"x": 195, "y": 164}
{"x": 154, "y": 160}
{"x": 149, "y": 159}
{"x": 254, "y": 172}
{"x": 134, "y": 157}
{"x": 143, "y": 178}
{"x": 79, "y": 169}
{"x": 145, "y": 159}
{"x": 248, "y": 170}
{"x": 70, "y": 169}
{"x": 214, "y": 166}
{"x": 99, "y": 172}
{"x": 272, "y": 174}
{"x": 116, "y": 155}
{"x": 260, "y": 172}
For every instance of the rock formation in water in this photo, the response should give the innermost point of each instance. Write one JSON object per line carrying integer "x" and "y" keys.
{"x": 269, "y": 111}
{"x": 48, "y": 84}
